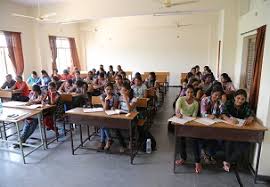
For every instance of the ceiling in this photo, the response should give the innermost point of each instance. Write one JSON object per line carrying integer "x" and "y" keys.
{"x": 34, "y": 2}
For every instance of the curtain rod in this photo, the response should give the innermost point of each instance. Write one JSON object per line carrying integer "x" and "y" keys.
{"x": 9, "y": 31}
{"x": 248, "y": 31}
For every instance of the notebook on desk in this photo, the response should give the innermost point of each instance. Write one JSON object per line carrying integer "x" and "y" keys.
{"x": 115, "y": 112}
{"x": 91, "y": 110}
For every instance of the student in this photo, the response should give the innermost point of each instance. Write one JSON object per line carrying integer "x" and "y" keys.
{"x": 77, "y": 77}
{"x": 193, "y": 71}
{"x": 9, "y": 82}
{"x": 95, "y": 76}
{"x": 118, "y": 84}
{"x": 101, "y": 70}
{"x": 109, "y": 101}
{"x": 211, "y": 107}
{"x": 151, "y": 81}
{"x": 22, "y": 86}
{"x": 127, "y": 102}
{"x": 124, "y": 77}
{"x": 30, "y": 124}
{"x": 66, "y": 76}
{"x": 137, "y": 74}
{"x": 227, "y": 84}
{"x": 32, "y": 79}
{"x": 89, "y": 78}
{"x": 139, "y": 89}
{"x": 99, "y": 84}
{"x": 234, "y": 109}
{"x": 119, "y": 70}
{"x": 188, "y": 106}
{"x": 207, "y": 82}
{"x": 183, "y": 88}
{"x": 66, "y": 87}
{"x": 110, "y": 73}
{"x": 55, "y": 74}
{"x": 56, "y": 80}
{"x": 79, "y": 87}
{"x": 189, "y": 77}
{"x": 44, "y": 80}
{"x": 206, "y": 70}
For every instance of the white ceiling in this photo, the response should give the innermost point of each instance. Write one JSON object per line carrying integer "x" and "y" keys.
{"x": 35, "y": 2}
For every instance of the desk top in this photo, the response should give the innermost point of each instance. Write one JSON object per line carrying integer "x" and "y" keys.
{"x": 79, "y": 111}
{"x": 22, "y": 105}
{"x": 73, "y": 94}
{"x": 255, "y": 126}
{"x": 24, "y": 114}
{"x": 12, "y": 91}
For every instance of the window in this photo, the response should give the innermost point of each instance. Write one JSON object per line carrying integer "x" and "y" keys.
{"x": 248, "y": 62}
{"x": 63, "y": 59}
{"x": 5, "y": 62}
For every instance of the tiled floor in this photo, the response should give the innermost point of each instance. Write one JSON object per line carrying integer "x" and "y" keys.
{"x": 56, "y": 166}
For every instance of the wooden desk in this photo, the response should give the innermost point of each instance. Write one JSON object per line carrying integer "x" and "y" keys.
{"x": 18, "y": 121}
{"x": 253, "y": 133}
{"x": 7, "y": 94}
{"x": 101, "y": 119}
{"x": 41, "y": 110}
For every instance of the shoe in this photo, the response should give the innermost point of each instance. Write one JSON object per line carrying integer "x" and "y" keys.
{"x": 108, "y": 145}
{"x": 101, "y": 146}
{"x": 226, "y": 166}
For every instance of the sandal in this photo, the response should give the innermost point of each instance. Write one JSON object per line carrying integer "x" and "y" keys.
{"x": 101, "y": 146}
{"x": 179, "y": 162}
{"x": 226, "y": 166}
{"x": 198, "y": 168}
{"x": 108, "y": 145}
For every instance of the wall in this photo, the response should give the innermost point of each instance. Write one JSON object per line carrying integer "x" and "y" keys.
{"x": 149, "y": 43}
{"x": 258, "y": 15}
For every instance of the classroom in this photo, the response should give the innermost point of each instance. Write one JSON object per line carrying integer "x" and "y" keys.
{"x": 134, "y": 93}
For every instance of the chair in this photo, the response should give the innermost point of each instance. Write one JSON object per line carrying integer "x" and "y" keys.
{"x": 95, "y": 101}
{"x": 142, "y": 107}
{"x": 67, "y": 100}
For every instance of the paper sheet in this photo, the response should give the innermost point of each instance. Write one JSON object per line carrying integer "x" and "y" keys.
{"x": 91, "y": 110}
{"x": 182, "y": 120}
{"x": 208, "y": 121}
{"x": 114, "y": 112}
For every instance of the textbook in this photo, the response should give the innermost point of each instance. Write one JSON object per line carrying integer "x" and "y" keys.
{"x": 115, "y": 112}
{"x": 208, "y": 121}
{"x": 182, "y": 120}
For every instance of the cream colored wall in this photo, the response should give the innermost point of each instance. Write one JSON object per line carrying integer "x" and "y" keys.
{"x": 259, "y": 15}
{"x": 148, "y": 43}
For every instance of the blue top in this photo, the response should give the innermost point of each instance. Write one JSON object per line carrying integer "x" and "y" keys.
{"x": 31, "y": 81}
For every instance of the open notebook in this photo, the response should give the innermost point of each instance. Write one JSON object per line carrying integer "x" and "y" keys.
{"x": 13, "y": 116}
{"x": 182, "y": 120}
{"x": 91, "y": 110}
{"x": 115, "y": 112}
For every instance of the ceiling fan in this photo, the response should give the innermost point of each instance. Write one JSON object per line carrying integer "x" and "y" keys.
{"x": 39, "y": 17}
{"x": 169, "y": 3}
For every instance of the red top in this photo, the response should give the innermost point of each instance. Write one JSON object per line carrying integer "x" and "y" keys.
{"x": 22, "y": 86}
{"x": 66, "y": 77}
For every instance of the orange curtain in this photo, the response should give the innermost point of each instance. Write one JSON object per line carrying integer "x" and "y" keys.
{"x": 74, "y": 54}
{"x": 15, "y": 53}
{"x": 255, "y": 87}
{"x": 52, "y": 41}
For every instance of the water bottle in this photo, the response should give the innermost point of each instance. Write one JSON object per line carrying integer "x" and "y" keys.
{"x": 1, "y": 107}
{"x": 148, "y": 146}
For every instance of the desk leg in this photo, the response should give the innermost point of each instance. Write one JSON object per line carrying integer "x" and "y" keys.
{"x": 175, "y": 146}
{"x": 40, "y": 131}
{"x": 131, "y": 143}
{"x": 257, "y": 162}
{"x": 81, "y": 138}
{"x": 55, "y": 128}
{"x": 44, "y": 130}
{"x": 71, "y": 139}
{"x": 88, "y": 132}
{"x": 20, "y": 141}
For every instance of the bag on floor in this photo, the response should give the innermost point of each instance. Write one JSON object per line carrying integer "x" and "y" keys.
{"x": 148, "y": 135}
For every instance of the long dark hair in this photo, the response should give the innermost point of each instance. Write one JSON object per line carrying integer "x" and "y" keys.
{"x": 128, "y": 87}
{"x": 226, "y": 77}
{"x": 36, "y": 88}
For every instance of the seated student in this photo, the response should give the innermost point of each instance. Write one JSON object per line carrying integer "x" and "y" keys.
{"x": 198, "y": 74}
{"x": 197, "y": 89}
{"x": 55, "y": 74}
{"x": 236, "y": 108}
{"x": 53, "y": 98}
{"x": 216, "y": 85}
{"x": 118, "y": 84}
{"x": 119, "y": 70}
{"x": 9, "y": 82}
{"x": 227, "y": 84}
{"x": 188, "y": 106}
{"x": 77, "y": 77}
{"x": 193, "y": 71}
{"x": 101, "y": 70}
{"x": 127, "y": 102}
{"x": 110, "y": 73}
{"x": 44, "y": 80}
{"x": 99, "y": 84}
{"x": 139, "y": 89}
{"x": 30, "y": 124}
{"x": 109, "y": 101}
{"x": 66, "y": 87}
{"x": 206, "y": 70}
{"x": 124, "y": 77}
{"x": 89, "y": 78}
{"x": 66, "y": 76}
{"x": 57, "y": 81}
{"x": 211, "y": 107}
{"x": 151, "y": 81}
{"x": 79, "y": 87}
{"x": 95, "y": 76}
{"x": 183, "y": 88}
{"x": 189, "y": 77}
{"x": 207, "y": 82}
{"x": 22, "y": 86}
{"x": 137, "y": 74}
{"x": 32, "y": 79}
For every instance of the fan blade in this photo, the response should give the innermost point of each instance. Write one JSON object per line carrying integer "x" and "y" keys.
{"x": 24, "y": 16}
{"x": 48, "y": 15}
{"x": 184, "y": 3}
